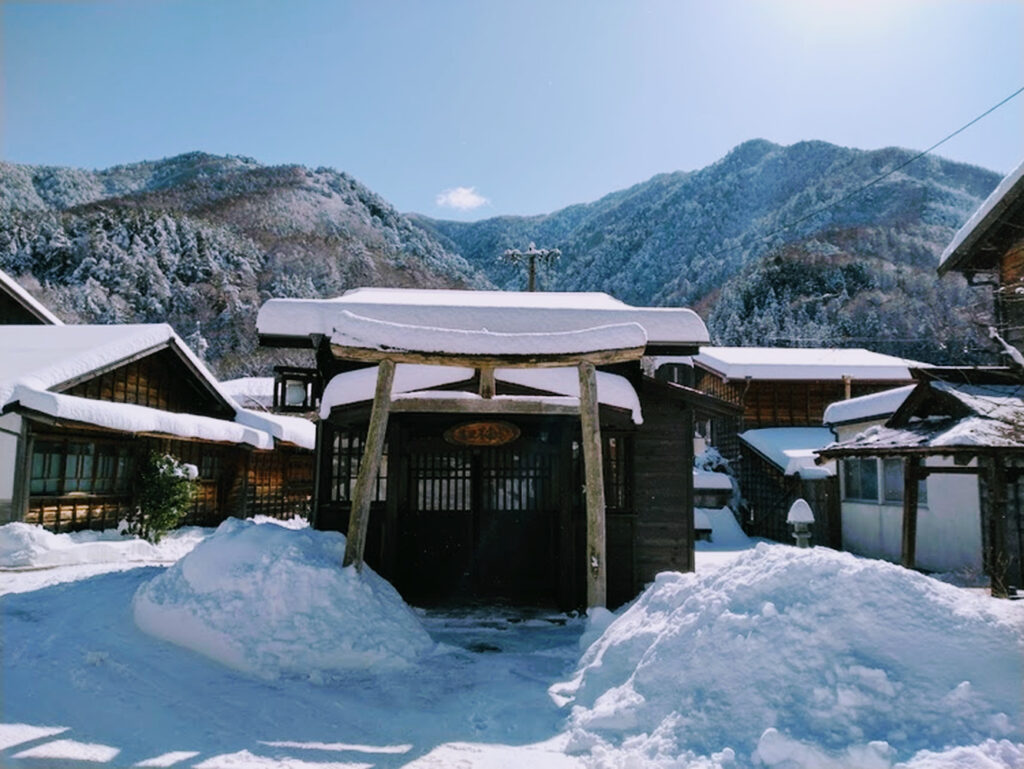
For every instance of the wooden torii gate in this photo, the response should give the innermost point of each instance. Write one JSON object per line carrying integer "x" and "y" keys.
{"x": 386, "y": 344}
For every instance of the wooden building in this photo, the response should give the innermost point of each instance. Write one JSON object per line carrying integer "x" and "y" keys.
{"x": 949, "y": 531}
{"x": 81, "y": 405}
{"x": 778, "y": 397}
{"x": 972, "y": 416}
{"x": 989, "y": 251}
{"x": 500, "y": 446}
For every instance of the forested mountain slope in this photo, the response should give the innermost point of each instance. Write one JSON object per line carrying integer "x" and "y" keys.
{"x": 859, "y": 273}
{"x": 200, "y": 239}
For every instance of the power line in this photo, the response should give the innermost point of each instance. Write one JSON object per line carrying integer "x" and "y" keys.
{"x": 873, "y": 182}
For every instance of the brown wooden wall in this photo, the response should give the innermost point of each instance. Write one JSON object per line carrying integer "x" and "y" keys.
{"x": 769, "y": 494}
{"x": 1009, "y": 300}
{"x": 160, "y": 381}
{"x": 233, "y": 481}
{"x": 663, "y": 484}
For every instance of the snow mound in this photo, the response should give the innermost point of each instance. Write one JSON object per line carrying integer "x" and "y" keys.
{"x": 274, "y": 601}
{"x": 800, "y": 654}
{"x": 27, "y": 546}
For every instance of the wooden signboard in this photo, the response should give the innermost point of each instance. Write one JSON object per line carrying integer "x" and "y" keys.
{"x": 482, "y": 434}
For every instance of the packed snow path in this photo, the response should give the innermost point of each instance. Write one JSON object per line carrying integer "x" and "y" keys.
{"x": 74, "y": 658}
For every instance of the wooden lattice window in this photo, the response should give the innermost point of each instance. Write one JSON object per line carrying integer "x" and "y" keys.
{"x": 346, "y": 455}
{"x": 62, "y": 467}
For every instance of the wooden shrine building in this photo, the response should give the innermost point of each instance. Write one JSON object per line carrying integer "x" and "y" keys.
{"x": 500, "y": 446}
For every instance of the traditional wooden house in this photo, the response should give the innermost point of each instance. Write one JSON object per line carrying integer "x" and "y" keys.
{"x": 778, "y": 397}
{"x": 500, "y": 445}
{"x": 79, "y": 406}
{"x": 18, "y": 306}
{"x": 972, "y": 426}
{"x": 949, "y": 531}
{"x": 975, "y": 417}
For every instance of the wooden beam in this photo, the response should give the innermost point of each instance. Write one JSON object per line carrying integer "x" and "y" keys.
{"x": 597, "y": 570}
{"x": 487, "y": 383}
{"x": 362, "y": 495}
{"x": 908, "y": 554}
{"x": 549, "y": 406}
{"x": 473, "y": 360}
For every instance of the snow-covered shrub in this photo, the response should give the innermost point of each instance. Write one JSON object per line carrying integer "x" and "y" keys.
{"x": 164, "y": 490}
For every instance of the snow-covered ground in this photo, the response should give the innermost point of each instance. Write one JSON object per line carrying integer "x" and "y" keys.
{"x": 767, "y": 656}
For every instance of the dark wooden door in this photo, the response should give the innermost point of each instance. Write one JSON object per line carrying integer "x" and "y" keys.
{"x": 480, "y": 523}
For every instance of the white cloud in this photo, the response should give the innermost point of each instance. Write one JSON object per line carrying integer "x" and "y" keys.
{"x": 462, "y": 198}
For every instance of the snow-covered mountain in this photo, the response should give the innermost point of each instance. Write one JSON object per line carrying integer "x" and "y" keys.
{"x": 205, "y": 239}
{"x": 858, "y": 273}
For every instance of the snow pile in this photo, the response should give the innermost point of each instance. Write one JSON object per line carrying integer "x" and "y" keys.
{"x": 25, "y": 546}
{"x": 274, "y": 601}
{"x": 798, "y": 658}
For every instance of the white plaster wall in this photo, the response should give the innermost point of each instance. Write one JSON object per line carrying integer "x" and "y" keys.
{"x": 10, "y": 423}
{"x": 873, "y": 530}
{"x": 948, "y": 527}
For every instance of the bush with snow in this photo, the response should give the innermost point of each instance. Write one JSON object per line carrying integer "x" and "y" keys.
{"x": 164, "y": 491}
{"x": 791, "y": 656}
{"x": 274, "y": 601}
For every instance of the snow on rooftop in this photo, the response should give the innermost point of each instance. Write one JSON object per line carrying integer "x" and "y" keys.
{"x": 804, "y": 363}
{"x": 47, "y": 356}
{"x": 510, "y": 312}
{"x": 359, "y": 385}
{"x": 250, "y": 390}
{"x": 988, "y": 212}
{"x": 873, "y": 406}
{"x": 711, "y": 481}
{"x": 368, "y": 333}
{"x": 996, "y": 420}
{"x": 792, "y": 449}
{"x": 23, "y": 296}
{"x": 296, "y": 430}
{"x": 34, "y": 359}
{"x": 434, "y": 297}
{"x": 130, "y": 418}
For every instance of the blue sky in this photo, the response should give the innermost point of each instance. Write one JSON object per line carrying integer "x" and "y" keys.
{"x": 508, "y": 107}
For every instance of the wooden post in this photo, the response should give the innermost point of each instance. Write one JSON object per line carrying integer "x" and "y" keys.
{"x": 590, "y": 422}
{"x": 359, "y": 518}
{"x": 487, "y": 384}
{"x": 908, "y": 556}
{"x": 996, "y": 504}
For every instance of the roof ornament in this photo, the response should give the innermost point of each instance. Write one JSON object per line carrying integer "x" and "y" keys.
{"x": 546, "y": 256}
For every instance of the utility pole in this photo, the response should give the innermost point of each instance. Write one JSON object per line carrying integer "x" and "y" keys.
{"x": 531, "y": 255}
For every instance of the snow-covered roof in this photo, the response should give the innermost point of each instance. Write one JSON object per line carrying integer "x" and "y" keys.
{"x": 974, "y": 229}
{"x": 792, "y": 449}
{"x": 359, "y": 385}
{"x": 29, "y": 302}
{"x": 250, "y": 390}
{"x": 804, "y": 363}
{"x": 873, "y": 406}
{"x": 130, "y": 418}
{"x": 356, "y": 331}
{"x": 960, "y": 416}
{"x": 509, "y": 312}
{"x": 40, "y": 358}
{"x": 296, "y": 430}
{"x": 711, "y": 481}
